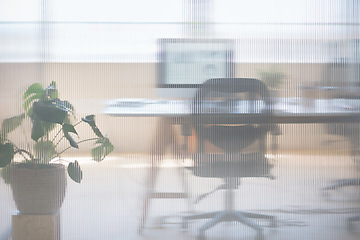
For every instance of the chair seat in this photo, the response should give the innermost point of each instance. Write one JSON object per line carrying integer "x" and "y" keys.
{"x": 239, "y": 165}
{"x": 232, "y": 164}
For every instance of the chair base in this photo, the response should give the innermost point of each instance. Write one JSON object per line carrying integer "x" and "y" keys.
{"x": 229, "y": 216}
{"x": 345, "y": 183}
{"x": 350, "y": 222}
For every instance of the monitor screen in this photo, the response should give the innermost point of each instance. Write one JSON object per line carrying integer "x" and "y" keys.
{"x": 186, "y": 63}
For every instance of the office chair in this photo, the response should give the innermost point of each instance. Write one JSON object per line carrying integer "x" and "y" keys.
{"x": 213, "y": 122}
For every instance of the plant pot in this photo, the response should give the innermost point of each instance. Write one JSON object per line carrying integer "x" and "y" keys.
{"x": 274, "y": 95}
{"x": 38, "y": 189}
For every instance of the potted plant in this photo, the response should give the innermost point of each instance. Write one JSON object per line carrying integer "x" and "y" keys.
{"x": 273, "y": 80}
{"x": 38, "y": 181}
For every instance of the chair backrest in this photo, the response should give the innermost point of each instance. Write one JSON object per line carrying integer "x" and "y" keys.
{"x": 233, "y": 85}
{"x": 229, "y": 137}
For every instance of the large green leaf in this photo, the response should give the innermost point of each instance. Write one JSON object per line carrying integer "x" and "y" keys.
{"x": 11, "y": 124}
{"x": 6, "y": 154}
{"x": 39, "y": 127}
{"x": 272, "y": 78}
{"x": 65, "y": 105}
{"x": 29, "y": 101}
{"x": 75, "y": 172}
{"x": 34, "y": 92}
{"x": 51, "y": 91}
{"x": 68, "y": 105}
{"x": 44, "y": 150}
{"x": 37, "y": 130}
{"x": 71, "y": 141}
{"x": 5, "y": 173}
{"x": 49, "y": 111}
{"x": 67, "y": 128}
{"x": 102, "y": 150}
{"x": 2, "y": 138}
{"x": 90, "y": 119}
{"x": 35, "y": 88}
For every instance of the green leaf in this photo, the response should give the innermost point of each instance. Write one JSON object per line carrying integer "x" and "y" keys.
{"x": 11, "y": 124}
{"x": 52, "y": 85}
{"x": 35, "y": 88}
{"x": 5, "y": 173}
{"x": 66, "y": 127}
{"x": 44, "y": 150}
{"x": 39, "y": 127}
{"x": 97, "y": 153}
{"x": 71, "y": 140}
{"x": 75, "y": 172}
{"x": 51, "y": 91}
{"x": 30, "y": 99}
{"x": 48, "y": 111}
{"x": 90, "y": 119}
{"x": 272, "y": 78}
{"x": 6, "y": 154}
{"x": 38, "y": 130}
{"x": 65, "y": 105}
{"x": 69, "y": 107}
{"x": 100, "y": 152}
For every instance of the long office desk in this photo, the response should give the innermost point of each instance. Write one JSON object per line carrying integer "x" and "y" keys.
{"x": 282, "y": 111}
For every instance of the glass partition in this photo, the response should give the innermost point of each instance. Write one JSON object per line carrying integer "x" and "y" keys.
{"x": 277, "y": 154}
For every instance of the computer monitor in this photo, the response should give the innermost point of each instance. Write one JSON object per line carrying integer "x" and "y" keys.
{"x": 184, "y": 64}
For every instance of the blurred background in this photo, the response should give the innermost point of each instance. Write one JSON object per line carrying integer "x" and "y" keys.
{"x": 100, "y": 51}
{"x": 108, "y": 50}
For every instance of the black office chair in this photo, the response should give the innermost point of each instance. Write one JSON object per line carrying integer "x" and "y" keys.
{"x": 221, "y": 96}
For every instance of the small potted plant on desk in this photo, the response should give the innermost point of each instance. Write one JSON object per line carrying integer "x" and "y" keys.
{"x": 273, "y": 80}
{"x": 39, "y": 181}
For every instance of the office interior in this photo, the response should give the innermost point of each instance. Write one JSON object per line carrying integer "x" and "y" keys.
{"x": 110, "y": 52}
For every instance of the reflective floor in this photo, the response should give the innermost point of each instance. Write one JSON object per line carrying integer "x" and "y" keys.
{"x": 108, "y": 203}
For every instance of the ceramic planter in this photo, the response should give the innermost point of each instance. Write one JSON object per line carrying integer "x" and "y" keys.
{"x": 38, "y": 189}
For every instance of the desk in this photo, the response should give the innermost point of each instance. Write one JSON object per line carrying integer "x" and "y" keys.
{"x": 283, "y": 111}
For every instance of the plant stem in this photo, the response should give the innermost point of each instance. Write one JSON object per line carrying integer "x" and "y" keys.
{"x": 25, "y": 135}
{"x": 62, "y": 136}
{"x": 59, "y": 141}
{"x": 21, "y": 151}
{"x": 78, "y": 123}
{"x": 56, "y": 136}
{"x": 86, "y": 140}
{"x": 60, "y": 159}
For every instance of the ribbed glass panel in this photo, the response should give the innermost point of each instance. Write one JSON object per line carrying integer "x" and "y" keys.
{"x": 211, "y": 111}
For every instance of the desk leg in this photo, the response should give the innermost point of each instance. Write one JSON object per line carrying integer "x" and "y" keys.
{"x": 151, "y": 185}
{"x": 163, "y": 137}
{"x": 182, "y": 174}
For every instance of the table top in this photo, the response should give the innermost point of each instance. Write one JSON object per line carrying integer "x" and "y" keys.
{"x": 283, "y": 110}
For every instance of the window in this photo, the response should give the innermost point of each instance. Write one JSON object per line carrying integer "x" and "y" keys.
{"x": 115, "y": 31}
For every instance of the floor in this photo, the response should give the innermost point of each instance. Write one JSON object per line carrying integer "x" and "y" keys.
{"x": 108, "y": 203}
